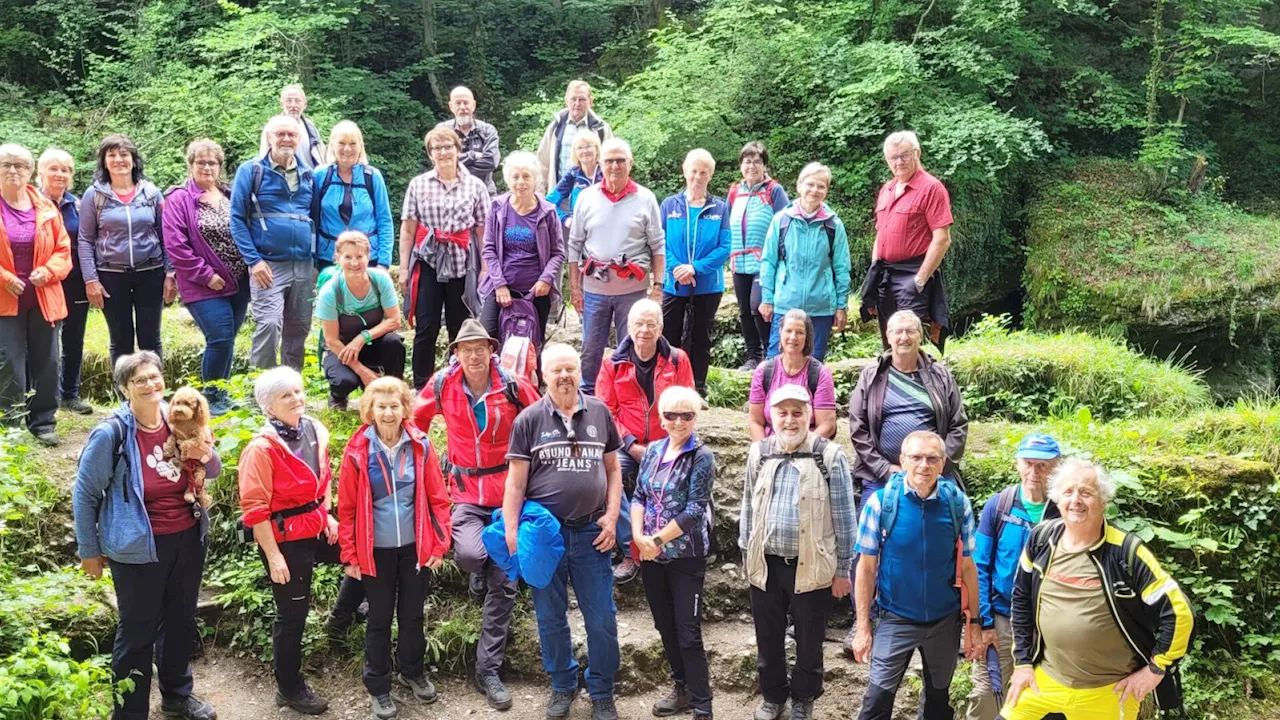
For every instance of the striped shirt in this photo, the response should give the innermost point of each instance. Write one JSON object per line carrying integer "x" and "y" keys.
{"x": 437, "y": 205}
{"x": 749, "y": 219}
{"x": 907, "y": 408}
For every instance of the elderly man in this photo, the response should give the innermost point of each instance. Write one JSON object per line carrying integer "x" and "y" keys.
{"x": 630, "y": 383}
{"x": 311, "y": 151}
{"x": 913, "y": 535}
{"x": 479, "y": 401}
{"x": 913, "y": 232}
{"x": 479, "y": 139}
{"x": 272, "y": 227}
{"x": 616, "y": 253}
{"x": 1097, "y": 624}
{"x": 796, "y": 534}
{"x": 564, "y": 455}
{"x": 1006, "y": 521}
{"x": 555, "y": 150}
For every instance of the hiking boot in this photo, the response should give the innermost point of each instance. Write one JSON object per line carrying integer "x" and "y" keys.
{"x": 768, "y": 711}
{"x": 219, "y": 407}
{"x": 477, "y": 585}
{"x": 676, "y": 701}
{"x": 603, "y": 709}
{"x": 560, "y": 702}
{"x": 801, "y": 710}
{"x": 187, "y": 708}
{"x": 702, "y": 715}
{"x": 626, "y": 571}
{"x": 77, "y": 406}
{"x": 304, "y": 701}
{"x": 421, "y": 687}
{"x": 47, "y": 438}
{"x": 335, "y": 404}
{"x": 494, "y": 691}
{"x": 846, "y": 645}
{"x": 383, "y": 707}
{"x": 749, "y": 366}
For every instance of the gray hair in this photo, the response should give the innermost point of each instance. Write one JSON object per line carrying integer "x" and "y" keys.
{"x": 54, "y": 156}
{"x": 699, "y": 155}
{"x": 128, "y": 365}
{"x": 522, "y": 160}
{"x": 906, "y": 316}
{"x": 575, "y": 85}
{"x": 926, "y": 435}
{"x": 679, "y": 396}
{"x": 813, "y": 168}
{"x": 273, "y": 383}
{"x": 15, "y": 150}
{"x": 902, "y": 137}
{"x": 556, "y": 350}
{"x": 1071, "y": 469}
{"x": 642, "y": 306}
{"x": 615, "y": 143}
{"x": 293, "y": 86}
{"x": 281, "y": 119}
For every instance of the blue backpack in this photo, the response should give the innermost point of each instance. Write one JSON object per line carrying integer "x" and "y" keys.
{"x": 948, "y": 491}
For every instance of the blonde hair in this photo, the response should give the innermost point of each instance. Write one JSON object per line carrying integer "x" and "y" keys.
{"x": 385, "y": 386}
{"x": 580, "y": 141}
{"x": 677, "y": 398}
{"x": 351, "y": 237}
{"x": 576, "y": 84}
{"x": 345, "y": 129}
{"x": 521, "y": 160}
{"x": 54, "y": 156}
{"x": 698, "y": 155}
{"x": 201, "y": 146}
{"x": 813, "y": 168}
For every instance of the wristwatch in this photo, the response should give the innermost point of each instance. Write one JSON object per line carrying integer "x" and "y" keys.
{"x": 658, "y": 542}
{"x": 975, "y": 621}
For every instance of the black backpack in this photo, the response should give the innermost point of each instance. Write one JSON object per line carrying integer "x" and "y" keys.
{"x": 771, "y": 365}
{"x": 318, "y": 196}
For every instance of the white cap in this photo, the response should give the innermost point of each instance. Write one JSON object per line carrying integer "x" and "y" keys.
{"x": 789, "y": 392}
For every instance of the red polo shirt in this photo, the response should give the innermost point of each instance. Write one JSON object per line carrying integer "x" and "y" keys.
{"x": 905, "y": 225}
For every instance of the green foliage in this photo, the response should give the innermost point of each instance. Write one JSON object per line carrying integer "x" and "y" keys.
{"x": 28, "y": 526}
{"x": 41, "y": 681}
{"x": 63, "y": 602}
{"x": 727, "y": 388}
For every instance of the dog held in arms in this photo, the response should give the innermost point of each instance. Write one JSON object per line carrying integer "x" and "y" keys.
{"x": 189, "y": 428}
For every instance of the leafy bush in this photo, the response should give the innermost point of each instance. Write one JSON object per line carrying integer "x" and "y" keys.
{"x": 66, "y": 603}
{"x": 41, "y": 681}
{"x": 29, "y": 527}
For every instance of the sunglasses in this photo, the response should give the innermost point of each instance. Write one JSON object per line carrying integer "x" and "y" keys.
{"x": 673, "y": 416}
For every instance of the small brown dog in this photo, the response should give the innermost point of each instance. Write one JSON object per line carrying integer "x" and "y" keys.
{"x": 189, "y": 428}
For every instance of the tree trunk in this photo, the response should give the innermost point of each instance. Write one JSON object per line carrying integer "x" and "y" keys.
{"x": 1157, "y": 66}
{"x": 429, "y": 49}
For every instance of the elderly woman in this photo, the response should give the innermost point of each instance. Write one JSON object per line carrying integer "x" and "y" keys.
{"x": 285, "y": 500}
{"x": 351, "y": 195}
{"x": 359, "y": 314}
{"x": 753, "y": 201}
{"x": 794, "y": 366}
{"x": 213, "y": 280}
{"x": 805, "y": 263}
{"x": 129, "y": 511}
{"x": 394, "y": 529}
{"x": 35, "y": 257}
{"x": 697, "y": 232}
{"x": 122, "y": 255}
{"x": 441, "y": 231}
{"x": 672, "y": 529}
{"x": 56, "y": 171}
{"x": 1106, "y": 625}
{"x": 523, "y": 247}
{"x": 583, "y": 173}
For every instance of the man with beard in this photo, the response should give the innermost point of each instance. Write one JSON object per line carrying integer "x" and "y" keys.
{"x": 796, "y": 534}
{"x": 479, "y": 139}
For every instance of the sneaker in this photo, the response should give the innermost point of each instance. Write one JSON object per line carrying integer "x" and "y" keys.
{"x": 560, "y": 702}
{"x": 76, "y": 405}
{"x": 47, "y": 438}
{"x": 305, "y": 701}
{"x": 477, "y": 585}
{"x": 494, "y": 691}
{"x": 383, "y": 707}
{"x": 603, "y": 709}
{"x": 187, "y": 708}
{"x": 421, "y": 687}
{"x": 749, "y": 366}
{"x": 801, "y": 710}
{"x": 768, "y": 711}
{"x": 626, "y": 571}
{"x": 219, "y": 407}
{"x": 676, "y": 701}
{"x": 337, "y": 404}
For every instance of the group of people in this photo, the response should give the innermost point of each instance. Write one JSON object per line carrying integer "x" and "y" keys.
{"x": 546, "y": 487}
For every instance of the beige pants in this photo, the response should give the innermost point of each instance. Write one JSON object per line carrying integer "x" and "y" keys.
{"x": 982, "y": 703}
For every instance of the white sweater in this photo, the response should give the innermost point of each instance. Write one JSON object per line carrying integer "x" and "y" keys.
{"x": 606, "y": 231}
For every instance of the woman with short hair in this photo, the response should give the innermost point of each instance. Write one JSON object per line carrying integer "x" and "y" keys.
{"x": 35, "y": 257}
{"x": 671, "y": 529}
{"x": 130, "y": 512}
{"x": 753, "y": 201}
{"x": 56, "y": 171}
{"x": 351, "y": 195}
{"x": 213, "y": 279}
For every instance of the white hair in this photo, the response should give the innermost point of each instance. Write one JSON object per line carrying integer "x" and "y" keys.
{"x": 56, "y": 156}
{"x": 557, "y": 350}
{"x": 521, "y": 160}
{"x": 698, "y": 155}
{"x": 679, "y": 397}
{"x": 291, "y": 87}
{"x": 906, "y": 316}
{"x": 615, "y": 143}
{"x": 902, "y": 137}
{"x": 1071, "y": 470}
{"x": 14, "y": 150}
{"x": 576, "y": 84}
{"x": 813, "y": 168}
{"x": 461, "y": 88}
{"x": 273, "y": 383}
{"x": 281, "y": 119}
{"x": 642, "y": 306}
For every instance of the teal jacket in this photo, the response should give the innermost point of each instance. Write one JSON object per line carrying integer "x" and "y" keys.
{"x": 814, "y": 276}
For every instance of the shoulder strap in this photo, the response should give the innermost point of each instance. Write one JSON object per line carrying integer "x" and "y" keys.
{"x": 815, "y": 370}
{"x": 1130, "y": 550}
{"x": 820, "y": 447}
{"x": 784, "y": 222}
{"x": 99, "y": 200}
{"x": 340, "y": 293}
{"x": 117, "y": 441}
{"x": 950, "y": 493}
{"x": 368, "y": 188}
{"x": 733, "y": 194}
{"x": 766, "y": 375}
{"x": 437, "y": 384}
{"x": 255, "y": 181}
{"x": 510, "y": 388}
{"x": 1004, "y": 505}
{"x": 889, "y": 497}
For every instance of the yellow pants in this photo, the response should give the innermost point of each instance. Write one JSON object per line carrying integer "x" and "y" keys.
{"x": 1093, "y": 704}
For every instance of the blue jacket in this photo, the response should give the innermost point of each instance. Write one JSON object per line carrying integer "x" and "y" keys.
{"x": 681, "y": 493}
{"x": 704, "y": 243}
{"x": 997, "y": 558}
{"x": 279, "y": 228}
{"x": 123, "y": 236}
{"x": 539, "y": 545}
{"x": 370, "y": 212}
{"x": 815, "y": 274}
{"x": 573, "y": 182}
{"x": 923, "y": 536}
{"x": 110, "y": 517}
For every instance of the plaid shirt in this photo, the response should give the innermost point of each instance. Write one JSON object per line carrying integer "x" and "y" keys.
{"x": 869, "y": 541}
{"x": 438, "y": 206}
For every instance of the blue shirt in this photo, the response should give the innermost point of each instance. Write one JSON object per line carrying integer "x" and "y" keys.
{"x": 391, "y": 477}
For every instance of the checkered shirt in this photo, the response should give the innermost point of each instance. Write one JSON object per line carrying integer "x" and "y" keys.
{"x": 438, "y": 206}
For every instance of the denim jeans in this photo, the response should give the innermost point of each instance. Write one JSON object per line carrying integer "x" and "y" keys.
{"x": 591, "y": 573}
{"x": 220, "y": 320}
{"x": 599, "y": 314}
{"x": 821, "y": 333}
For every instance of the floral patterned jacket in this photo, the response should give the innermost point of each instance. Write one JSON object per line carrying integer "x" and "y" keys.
{"x": 680, "y": 491}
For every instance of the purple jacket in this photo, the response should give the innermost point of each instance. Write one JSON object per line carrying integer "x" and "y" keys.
{"x": 550, "y": 245}
{"x": 192, "y": 256}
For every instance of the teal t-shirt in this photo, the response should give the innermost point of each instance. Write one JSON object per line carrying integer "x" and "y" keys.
{"x": 382, "y": 286}
{"x": 1035, "y": 511}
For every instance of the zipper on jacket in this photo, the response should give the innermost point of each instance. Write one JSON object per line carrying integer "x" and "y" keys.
{"x": 1115, "y": 613}
{"x": 128, "y": 215}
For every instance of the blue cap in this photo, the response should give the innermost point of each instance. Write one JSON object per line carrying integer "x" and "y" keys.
{"x": 1038, "y": 446}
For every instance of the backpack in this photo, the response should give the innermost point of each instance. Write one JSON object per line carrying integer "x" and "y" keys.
{"x": 828, "y": 224}
{"x": 118, "y": 435}
{"x": 770, "y": 365}
{"x": 510, "y": 388}
{"x": 100, "y": 198}
{"x": 519, "y": 319}
{"x": 255, "y": 184}
{"x": 949, "y": 492}
{"x": 520, "y": 357}
{"x": 816, "y": 453}
{"x": 763, "y": 193}
{"x": 324, "y": 187}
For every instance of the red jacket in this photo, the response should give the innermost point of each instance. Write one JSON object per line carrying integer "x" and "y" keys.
{"x": 469, "y": 448}
{"x": 617, "y": 386}
{"x": 273, "y": 479}
{"x": 431, "y": 525}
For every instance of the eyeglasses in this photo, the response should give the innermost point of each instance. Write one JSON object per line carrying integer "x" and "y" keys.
{"x": 673, "y": 416}
{"x": 280, "y": 134}
{"x": 902, "y": 157}
{"x": 14, "y": 166}
{"x": 925, "y": 459}
{"x": 140, "y": 382}
{"x": 757, "y": 162}
{"x": 473, "y": 352}
{"x": 443, "y": 148}
{"x": 616, "y": 161}
{"x": 207, "y": 163}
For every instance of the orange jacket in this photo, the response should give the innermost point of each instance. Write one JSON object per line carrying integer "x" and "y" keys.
{"x": 53, "y": 253}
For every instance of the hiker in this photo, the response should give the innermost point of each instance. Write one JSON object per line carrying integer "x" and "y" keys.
{"x": 794, "y": 480}
{"x": 293, "y": 103}
{"x": 563, "y": 455}
{"x": 913, "y": 233}
{"x": 359, "y": 314}
{"x": 1105, "y": 626}
{"x": 1003, "y": 527}
{"x": 479, "y": 139}
{"x": 523, "y": 248}
{"x": 805, "y": 263}
{"x": 557, "y": 143}
{"x": 584, "y": 171}
{"x": 351, "y": 194}
{"x": 393, "y": 531}
{"x": 795, "y": 365}
{"x": 915, "y": 540}
{"x": 479, "y": 402}
{"x": 130, "y": 512}
{"x": 213, "y": 280}
{"x": 271, "y": 224}
{"x": 753, "y": 201}
{"x": 697, "y": 246}
{"x": 56, "y": 170}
